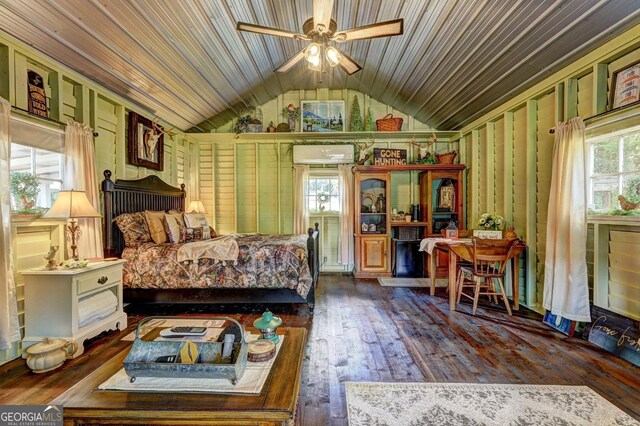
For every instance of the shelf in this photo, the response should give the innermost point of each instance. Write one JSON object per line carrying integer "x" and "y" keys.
{"x": 410, "y": 167}
{"x": 409, "y": 224}
{"x": 371, "y": 214}
{"x": 339, "y": 137}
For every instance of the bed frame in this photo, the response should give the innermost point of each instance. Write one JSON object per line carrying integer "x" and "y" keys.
{"x": 151, "y": 193}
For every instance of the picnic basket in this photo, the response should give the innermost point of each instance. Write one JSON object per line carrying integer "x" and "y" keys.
{"x": 389, "y": 123}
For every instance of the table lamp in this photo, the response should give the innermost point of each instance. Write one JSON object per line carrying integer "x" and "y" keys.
{"x": 196, "y": 207}
{"x": 72, "y": 205}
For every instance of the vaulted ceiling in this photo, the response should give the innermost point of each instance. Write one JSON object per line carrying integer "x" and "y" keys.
{"x": 185, "y": 61}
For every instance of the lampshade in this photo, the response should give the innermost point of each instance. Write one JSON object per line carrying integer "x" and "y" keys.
{"x": 196, "y": 207}
{"x": 71, "y": 204}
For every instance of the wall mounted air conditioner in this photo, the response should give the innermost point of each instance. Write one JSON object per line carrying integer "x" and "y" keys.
{"x": 323, "y": 154}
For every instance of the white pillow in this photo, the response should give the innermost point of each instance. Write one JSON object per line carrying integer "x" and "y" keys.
{"x": 195, "y": 220}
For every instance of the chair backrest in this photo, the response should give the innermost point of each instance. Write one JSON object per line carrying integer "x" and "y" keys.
{"x": 490, "y": 256}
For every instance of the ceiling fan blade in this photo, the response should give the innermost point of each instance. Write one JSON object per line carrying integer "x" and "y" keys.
{"x": 286, "y": 66}
{"x": 347, "y": 64}
{"x": 380, "y": 29}
{"x": 322, "y": 14}
{"x": 252, "y": 28}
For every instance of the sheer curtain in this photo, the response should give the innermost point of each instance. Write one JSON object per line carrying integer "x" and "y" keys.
{"x": 300, "y": 209}
{"x": 80, "y": 174}
{"x": 566, "y": 291}
{"x": 9, "y": 328}
{"x": 345, "y": 247}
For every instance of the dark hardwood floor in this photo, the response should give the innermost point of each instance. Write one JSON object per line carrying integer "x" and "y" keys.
{"x": 364, "y": 332}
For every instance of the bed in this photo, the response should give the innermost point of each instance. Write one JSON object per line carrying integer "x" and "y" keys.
{"x": 265, "y": 268}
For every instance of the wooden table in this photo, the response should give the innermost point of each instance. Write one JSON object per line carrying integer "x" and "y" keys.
{"x": 84, "y": 403}
{"x": 464, "y": 250}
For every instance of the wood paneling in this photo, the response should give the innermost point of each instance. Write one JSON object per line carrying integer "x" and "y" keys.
{"x": 185, "y": 60}
{"x": 624, "y": 273}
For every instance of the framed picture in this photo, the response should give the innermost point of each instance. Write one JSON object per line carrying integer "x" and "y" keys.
{"x": 146, "y": 142}
{"x": 625, "y": 87}
{"x": 323, "y": 116}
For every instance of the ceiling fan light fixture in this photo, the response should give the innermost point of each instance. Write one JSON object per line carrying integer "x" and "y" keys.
{"x": 333, "y": 56}
{"x": 312, "y": 54}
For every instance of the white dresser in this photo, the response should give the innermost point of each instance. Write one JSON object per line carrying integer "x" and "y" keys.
{"x": 51, "y": 300}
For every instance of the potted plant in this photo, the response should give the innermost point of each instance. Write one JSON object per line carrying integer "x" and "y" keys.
{"x": 293, "y": 114}
{"x": 25, "y": 189}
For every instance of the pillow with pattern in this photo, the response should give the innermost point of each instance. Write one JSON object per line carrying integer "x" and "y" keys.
{"x": 195, "y": 220}
{"x": 172, "y": 223}
{"x": 134, "y": 228}
{"x": 189, "y": 235}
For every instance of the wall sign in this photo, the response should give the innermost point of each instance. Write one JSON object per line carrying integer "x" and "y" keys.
{"x": 389, "y": 157}
{"x": 37, "y": 97}
{"x": 614, "y": 333}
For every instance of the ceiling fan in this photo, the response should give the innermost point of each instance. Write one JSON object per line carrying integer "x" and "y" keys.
{"x": 321, "y": 29}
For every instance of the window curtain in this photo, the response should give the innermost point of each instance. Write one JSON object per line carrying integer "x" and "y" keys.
{"x": 80, "y": 174}
{"x": 300, "y": 208}
{"x": 345, "y": 247}
{"x": 9, "y": 328}
{"x": 566, "y": 291}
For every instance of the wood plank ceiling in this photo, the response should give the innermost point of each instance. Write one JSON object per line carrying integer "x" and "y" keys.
{"x": 184, "y": 61}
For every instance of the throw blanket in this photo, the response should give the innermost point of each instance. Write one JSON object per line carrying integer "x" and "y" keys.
{"x": 219, "y": 249}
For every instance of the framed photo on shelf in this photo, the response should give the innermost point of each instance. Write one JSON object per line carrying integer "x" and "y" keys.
{"x": 625, "y": 86}
{"x": 146, "y": 142}
{"x": 323, "y": 116}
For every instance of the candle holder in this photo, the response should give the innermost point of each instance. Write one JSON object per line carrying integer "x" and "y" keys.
{"x": 267, "y": 324}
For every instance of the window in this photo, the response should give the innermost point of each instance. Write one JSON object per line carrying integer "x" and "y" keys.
{"x": 323, "y": 194}
{"x": 614, "y": 169}
{"x": 45, "y": 165}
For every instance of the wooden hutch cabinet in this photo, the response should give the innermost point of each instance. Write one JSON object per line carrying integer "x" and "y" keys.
{"x": 376, "y": 236}
{"x": 441, "y": 197}
{"x": 372, "y": 190}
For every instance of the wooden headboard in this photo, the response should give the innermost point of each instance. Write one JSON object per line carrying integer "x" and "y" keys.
{"x": 129, "y": 196}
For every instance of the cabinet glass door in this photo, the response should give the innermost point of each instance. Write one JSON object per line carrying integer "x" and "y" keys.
{"x": 443, "y": 203}
{"x": 373, "y": 206}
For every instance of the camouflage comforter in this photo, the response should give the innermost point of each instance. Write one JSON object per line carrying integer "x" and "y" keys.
{"x": 264, "y": 261}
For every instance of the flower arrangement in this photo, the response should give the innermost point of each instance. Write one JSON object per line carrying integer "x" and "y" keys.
{"x": 490, "y": 221}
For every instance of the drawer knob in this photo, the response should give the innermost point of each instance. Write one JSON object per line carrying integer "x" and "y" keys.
{"x": 102, "y": 280}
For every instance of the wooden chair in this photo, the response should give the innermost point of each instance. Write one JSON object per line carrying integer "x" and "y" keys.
{"x": 490, "y": 259}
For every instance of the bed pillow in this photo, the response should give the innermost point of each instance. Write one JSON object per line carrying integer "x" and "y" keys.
{"x": 172, "y": 223}
{"x": 134, "y": 228}
{"x": 195, "y": 220}
{"x": 155, "y": 222}
{"x": 188, "y": 235}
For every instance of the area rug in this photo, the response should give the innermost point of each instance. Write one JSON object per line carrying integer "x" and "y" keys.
{"x": 404, "y": 282}
{"x": 479, "y": 404}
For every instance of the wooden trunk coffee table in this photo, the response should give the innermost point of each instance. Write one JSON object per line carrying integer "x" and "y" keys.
{"x": 84, "y": 403}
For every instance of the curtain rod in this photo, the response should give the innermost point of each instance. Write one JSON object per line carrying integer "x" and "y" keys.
{"x": 95, "y": 134}
{"x": 553, "y": 129}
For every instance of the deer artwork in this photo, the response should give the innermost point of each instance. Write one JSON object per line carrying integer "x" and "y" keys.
{"x": 423, "y": 149}
{"x": 363, "y": 151}
{"x": 151, "y": 138}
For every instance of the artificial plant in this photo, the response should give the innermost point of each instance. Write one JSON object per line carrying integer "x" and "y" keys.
{"x": 25, "y": 188}
{"x": 369, "y": 124}
{"x": 355, "y": 124}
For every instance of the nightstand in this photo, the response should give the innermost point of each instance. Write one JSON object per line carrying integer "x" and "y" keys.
{"x": 51, "y": 301}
